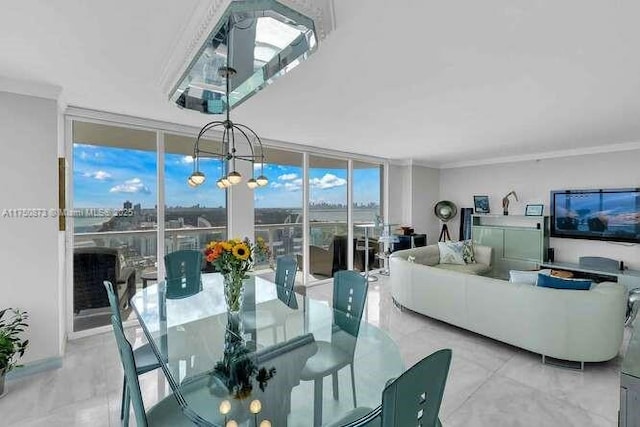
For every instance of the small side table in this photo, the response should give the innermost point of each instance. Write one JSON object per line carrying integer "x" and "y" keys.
{"x": 149, "y": 276}
{"x": 367, "y": 227}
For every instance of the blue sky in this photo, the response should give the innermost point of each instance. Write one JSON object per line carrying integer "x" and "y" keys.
{"x": 107, "y": 177}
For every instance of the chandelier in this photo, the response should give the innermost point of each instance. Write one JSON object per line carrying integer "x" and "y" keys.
{"x": 232, "y": 134}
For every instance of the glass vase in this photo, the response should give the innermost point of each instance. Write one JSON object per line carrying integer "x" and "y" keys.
{"x": 233, "y": 292}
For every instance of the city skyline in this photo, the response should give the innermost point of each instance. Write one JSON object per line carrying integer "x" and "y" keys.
{"x": 108, "y": 176}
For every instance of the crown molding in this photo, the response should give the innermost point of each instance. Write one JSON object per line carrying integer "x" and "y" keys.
{"x": 625, "y": 146}
{"x": 413, "y": 162}
{"x": 205, "y": 17}
{"x": 31, "y": 88}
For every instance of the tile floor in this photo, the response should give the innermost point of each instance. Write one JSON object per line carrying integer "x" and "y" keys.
{"x": 490, "y": 383}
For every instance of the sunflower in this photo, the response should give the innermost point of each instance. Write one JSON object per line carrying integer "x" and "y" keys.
{"x": 227, "y": 246}
{"x": 241, "y": 251}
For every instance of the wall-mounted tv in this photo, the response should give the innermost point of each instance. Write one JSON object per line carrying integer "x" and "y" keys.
{"x": 612, "y": 214}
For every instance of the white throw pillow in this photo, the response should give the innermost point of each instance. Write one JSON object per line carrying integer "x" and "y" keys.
{"x": 451, "y": 253}
{"x": 526, "y": 277}
{"x": 467, "y": 252}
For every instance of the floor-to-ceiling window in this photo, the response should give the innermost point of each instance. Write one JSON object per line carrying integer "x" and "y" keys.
{"x": 114, "y": 216}
{"x": 193, "y": 216}
{"x": 116, "y": 171}
{"x": 328, "y": 221}
{"x": 367, "y": 209}
{"x": 278, "y": 207}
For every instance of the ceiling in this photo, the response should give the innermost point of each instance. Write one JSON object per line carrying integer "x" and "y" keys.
{"x": 438, "y": 82}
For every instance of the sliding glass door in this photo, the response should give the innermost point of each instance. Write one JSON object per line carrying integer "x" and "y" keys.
{"x": 278, "y": 208}
{"x": 114, "y": 217}
{"x": 328, "y": 220}
{"x": 193, "y": 216}
{"x": 367, "y": 209}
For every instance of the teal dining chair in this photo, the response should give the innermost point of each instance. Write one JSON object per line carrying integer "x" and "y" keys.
{"x": 414, "y": 398}
{"x": 349, "y": 296}
{"x": 145, "y": 358}
{"x": 286, "y": 267}
{"x": 167, "y": 412}
{"x": 184, "y": 273}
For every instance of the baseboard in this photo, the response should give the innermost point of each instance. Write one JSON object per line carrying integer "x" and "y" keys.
{"x": 35, "y": 367}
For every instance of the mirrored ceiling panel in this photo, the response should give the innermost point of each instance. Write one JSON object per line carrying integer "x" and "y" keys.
{"x": 260, "y": 39}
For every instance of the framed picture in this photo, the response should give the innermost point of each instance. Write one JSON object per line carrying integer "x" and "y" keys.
{"x": 481, "y": 204}
{"x": 534, "y": 210}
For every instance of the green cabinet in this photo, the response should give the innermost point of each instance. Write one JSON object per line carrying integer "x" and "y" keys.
{"x": 518, "y": 242}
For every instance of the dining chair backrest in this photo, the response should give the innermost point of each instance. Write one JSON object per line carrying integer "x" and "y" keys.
{"x": 286, "y": 267}
{"x": 414, "y": 398}
{"x": 131, "y": 377}
{"x": 349, "y": 297}
{"x": 113, "y": 301}
{"x": 183, "y": 273}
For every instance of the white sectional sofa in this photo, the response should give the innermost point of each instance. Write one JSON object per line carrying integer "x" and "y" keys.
{"x": 581, "y": 326}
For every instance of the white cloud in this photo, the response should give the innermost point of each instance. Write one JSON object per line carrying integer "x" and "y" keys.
{"x": 134, "y": 185}
{"x": 99, "y": 175}
{"x": 288, "y": 177}
{"x": 329, "y": 180}
{"x": 294, "y": 184}
{"x": 186, "y": 160}
{"x": 259, "y": 166}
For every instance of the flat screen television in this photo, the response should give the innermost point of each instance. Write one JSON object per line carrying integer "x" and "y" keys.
{"x": 612, "y": 214}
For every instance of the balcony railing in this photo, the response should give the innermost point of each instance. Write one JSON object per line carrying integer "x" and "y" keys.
{"x": 138, "y": 248}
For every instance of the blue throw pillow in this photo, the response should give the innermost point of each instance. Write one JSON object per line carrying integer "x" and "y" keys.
{"x": 560, "y": 283}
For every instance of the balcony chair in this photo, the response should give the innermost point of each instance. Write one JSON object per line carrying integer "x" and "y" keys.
{"x": 349, "y": 296}
{"x": 91, "y": 266}
{"x": 413, "y": 398}
{"x": 326, "y": 262}
{"x": 184, "y": 275}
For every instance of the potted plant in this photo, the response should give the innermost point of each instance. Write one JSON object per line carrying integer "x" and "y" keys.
{"x": 12, "y": 323}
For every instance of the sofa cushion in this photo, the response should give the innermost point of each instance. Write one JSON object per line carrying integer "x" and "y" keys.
{"x": 526, "y": 277}
{"x": 560, "y": 283}
{"x": 467, "y": 252}
{"x": 451, "y": 253}
{"x": 466, "y": 268}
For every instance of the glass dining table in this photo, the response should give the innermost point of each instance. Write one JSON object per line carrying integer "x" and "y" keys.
{"x": 247, "y": 368}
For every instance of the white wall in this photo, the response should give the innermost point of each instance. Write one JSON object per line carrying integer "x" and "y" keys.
{"x": 29, "y": 250}
{"x": 413, "y": 192}
{"x": 398, "y": 195}
{"x": 533, "y": 180}
{"x": 425, "y": 193}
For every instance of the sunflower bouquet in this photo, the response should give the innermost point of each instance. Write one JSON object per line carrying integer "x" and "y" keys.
{"x": 233, "y": 258}
{"x": 261, "y": 250}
